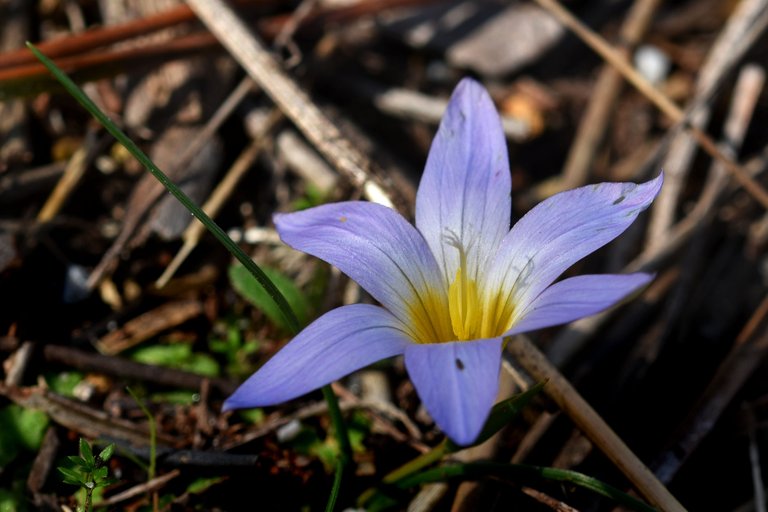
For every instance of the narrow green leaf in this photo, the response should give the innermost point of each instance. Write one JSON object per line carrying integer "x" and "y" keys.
{"x": 71, "y": 476}
{"x": 195, "y": 210}
{"x": 152, "y": 434}
{"x": 78, "y": 461}
{"x": 107, "y": 452}
{"x": 338, "y": 473}
{"x": 221, "y": 236}
{"x": 245, "y": 284}
{"x": 87, "y": 453}
{"x": 504, "y": 412}
{"x": 100, "y": 474}
{"x": 476, "y": 470}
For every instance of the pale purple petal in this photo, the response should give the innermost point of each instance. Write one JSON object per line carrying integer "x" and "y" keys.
{"x": 577, "y": 297}
{"x": 457, "y": 382}
{"x": 372, "y": 244}
{"x": 336, "y": 344}
{"x": 560, "y": 231}
{"x": 466, "y": 186}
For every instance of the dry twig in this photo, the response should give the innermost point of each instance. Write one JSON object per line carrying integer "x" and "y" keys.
{"x": 662, "y": 102}
{"x": 596, "y": 118}
{"x": 290, "y": 98}
{"x": 593, "y": 426}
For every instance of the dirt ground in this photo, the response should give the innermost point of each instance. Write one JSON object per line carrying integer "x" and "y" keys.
{"x": 119, "y": 316}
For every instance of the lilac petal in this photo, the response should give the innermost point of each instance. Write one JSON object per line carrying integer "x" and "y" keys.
{"x": 560, "y": 231}
{"x": 372, "y": 244}
{"x": 465, "y": 189}
{"x": 457, "y": 382}
{"x": 341, "y": 341}
{"x": 576, "y": 298}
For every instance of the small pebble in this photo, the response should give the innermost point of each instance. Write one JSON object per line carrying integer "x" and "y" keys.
{"x": 289, "y": 431}
{"x": 652, "y": 63}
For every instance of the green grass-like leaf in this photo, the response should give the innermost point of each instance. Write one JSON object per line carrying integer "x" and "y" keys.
{"x": 86, "y": 453}
{"x": 288, "y": 315}
{"x": 195, "y": 210}
{"x": 244, "y": 283}
{"x": 518, "y": 472}
{"x": 504, "y": 412}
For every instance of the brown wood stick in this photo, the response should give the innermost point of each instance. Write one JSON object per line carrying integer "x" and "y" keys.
{"x": 748, "y": 351}
{"x": 727, "y": 49}
{"x": 183, "y": 45}
{"x": 127, "y": 369}
{"x": 80, "y": 417}
{"x": 596, "y": 118}
{"x": 223, "y": 190}
{"x": 251, "y": 53}
{"x": 97, "y": 37}
{"x": 73, "y": 174}
{"x": 747, "y": 92}
{"x": 662, "y": 102}
{"x": 591, "y": 423}
{"x": 149, "y": 324}
{"x": 137, "y": 490}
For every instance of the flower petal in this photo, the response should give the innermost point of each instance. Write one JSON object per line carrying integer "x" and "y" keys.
{"x": 372, "y": 244}
{"x": 341, "y": 341}
{"x": 457, "y": 382}
{"x": 465, "y": 189}
{"x": 576, "y": 298}
{"x": 560, "y": 231}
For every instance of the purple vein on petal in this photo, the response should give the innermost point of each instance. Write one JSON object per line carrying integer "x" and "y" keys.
{"x": 577, "y": 297}
{"x": 560, "y": 231}
{"x": 466, "y": 185}
{"x": 372, "y": 244}
{"x": 457, "y": 382}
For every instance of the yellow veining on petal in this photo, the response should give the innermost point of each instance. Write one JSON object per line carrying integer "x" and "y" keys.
{"x": 465, "y": 314}
{"x": 429, "y": 320}
{"x": 464, "y": 306}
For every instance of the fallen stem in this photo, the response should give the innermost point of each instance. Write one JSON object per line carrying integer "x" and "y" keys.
{"x": 662, "y": 102}
{"x": 591, "y": 423}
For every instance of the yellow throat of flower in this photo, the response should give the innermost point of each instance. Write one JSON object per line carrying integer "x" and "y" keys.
{"x": 470, "y": 314}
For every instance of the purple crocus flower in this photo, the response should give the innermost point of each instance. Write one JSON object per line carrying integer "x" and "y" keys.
{"x": 452, "y": 287}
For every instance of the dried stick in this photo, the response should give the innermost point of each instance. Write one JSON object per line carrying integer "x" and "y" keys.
{"x": 662, "y": 102}
{"x": 723, "y": 54}
{"x": 149, "y": 192}
{"x": 754, "y": 460}
{"x": 593, "y": 426}
{"x": 95, "y": 38}
{"x": 80, "y": 417}
{"x": 127, "y": 369}
{"x": 247, "y": 49}
{"x": 748, "y": 351}
{"x": 153, "y": 485}
{"x": 596, "y": 119}
{"x": 73, "y": 173}
{"x": 223, "y": 190}
{"x": 747, "y": 91}
{"x": 184, "y": 45}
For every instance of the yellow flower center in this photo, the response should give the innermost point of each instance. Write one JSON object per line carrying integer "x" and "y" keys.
{"x": 467, "y": 314}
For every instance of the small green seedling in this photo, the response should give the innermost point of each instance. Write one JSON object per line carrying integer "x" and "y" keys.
{"x": 88, "y": 471}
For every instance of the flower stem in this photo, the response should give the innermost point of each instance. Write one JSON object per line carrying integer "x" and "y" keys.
{"x": 339, "y": 427}
{"x": 422, "y": 461}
